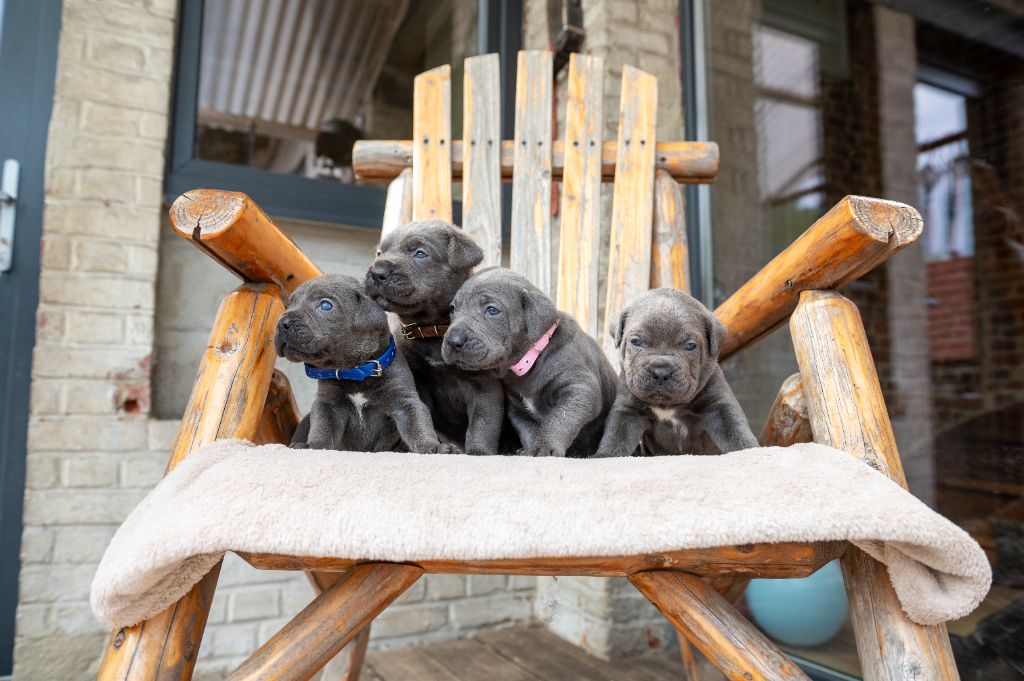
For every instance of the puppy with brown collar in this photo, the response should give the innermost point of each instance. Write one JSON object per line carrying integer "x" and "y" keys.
{"x": 366, "y": 400}
{"x": 671, "y": 390}
{"x": 418, "y": 269}
{"x": 558, "y": 384}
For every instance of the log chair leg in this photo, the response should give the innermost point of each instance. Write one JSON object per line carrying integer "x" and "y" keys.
{"x": 353, "y": 666}
{"x": 226, "y": 402}
{"x": 326, "y": 625}
{"x": 847, "y": 411}
{"x": 706, "y": 619}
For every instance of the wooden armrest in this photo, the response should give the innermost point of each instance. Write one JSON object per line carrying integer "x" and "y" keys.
{"x": 231, "y": 229}
{"x": 380, "y": 161}
{"x": 846, "y": 243}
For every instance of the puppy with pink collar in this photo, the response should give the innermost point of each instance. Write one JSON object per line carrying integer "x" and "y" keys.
{"x": 558, "y": 384}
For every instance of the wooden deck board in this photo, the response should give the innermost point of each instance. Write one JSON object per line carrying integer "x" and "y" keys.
{"x": 520, "y": 654}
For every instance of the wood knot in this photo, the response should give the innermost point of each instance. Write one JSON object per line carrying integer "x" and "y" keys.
{"x": 745, "y": 548}
{"x": 228, "y": 345}
{"x": 119, "y": 638}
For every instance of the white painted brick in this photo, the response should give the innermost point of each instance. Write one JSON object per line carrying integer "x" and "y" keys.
{"x": 443, "y": 587}
{"x": 254, "y": 604}
{"x": 67, "y": 506}
{"x": 231, "y": 639}
{"x": 480, "y": 585}
{"x": 138, "y": 329}
{"x": 522, "y": 582}
{"x": 219, "y": 607}
{"x": 414, "y": 594}
{"x": 143, "y": 470}
{"x": 41, "y": 472}
{"x": 106, "y": 119}
{"x": 96, "y": 291}
{"x": 161, "y": 434}
{"x": 87, "y": 434}
{"x": 89, "y": 471}
{"x": 81, "y": 543}
{"x": 46, "y": 398}
{"x": 53, "y": 583}
{"x": 33, "y": 620}
{"x": 36, "y": 545}
{"x": 81, "y": 81}
{"x": 91, "y": 397}
{"x": 494, "y": 611}
{"x": 148, "y": 190}
{"x": 74, "y": 617}
{"x": 128, "y": 223}
{"x": 114, "y": 52}
{"x": 296, "y": 595}
{"x": 94, "y": 327}
{"x": 55, "y": 253}
{"x": 92, "y": 255}
{"x": 128, "y": 363}
{"x": 153, "y": 125}
{"x": 142, "y": 260}
{"x": 412, "y": 620}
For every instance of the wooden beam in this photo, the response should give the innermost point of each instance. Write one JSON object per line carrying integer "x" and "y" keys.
{"x": 714, "y": 627}
{"x": 755, "y": 560}
{"x": 670, "y": 252}
{"x": 234, "y": 231}
{"x": 847, "y": 411}
{"x": 787, "y": 422}
{"x": 325, "y": 626}
{"x": 398, "y": 204}
{"x": 380, "y": 161}
{"x": 227, "y": 401}
{"x": 844, "y": 244}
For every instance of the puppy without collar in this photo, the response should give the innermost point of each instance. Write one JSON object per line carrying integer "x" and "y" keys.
{"x": 671, "y": 390}
{"x": 418, "y": 269}
{"x": 331, "y": 325}
{"x": 558, "y": 384}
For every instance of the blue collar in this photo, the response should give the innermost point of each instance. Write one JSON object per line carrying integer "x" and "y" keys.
{"x": 375, "y": 367}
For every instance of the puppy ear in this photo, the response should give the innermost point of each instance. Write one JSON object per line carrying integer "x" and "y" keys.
{"x": 463, "y": 252}
{"x": 715, "y": 331}
{"x": 539, "y": 312}
{"x": 616, "y": 327}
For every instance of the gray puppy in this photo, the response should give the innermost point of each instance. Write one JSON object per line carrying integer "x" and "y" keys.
{"x": 337, "y": 330}
{"x": 558, "y": 384}
{"x": 418, "y": 269}
{"x": 671, "y": 390}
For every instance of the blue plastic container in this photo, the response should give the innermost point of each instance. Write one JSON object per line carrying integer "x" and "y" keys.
{"x": 803, "y": 612}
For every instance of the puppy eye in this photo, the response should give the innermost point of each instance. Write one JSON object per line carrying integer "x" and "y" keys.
{"x": 491, "y": 310}
{"x": 325, "y": 305}
{"x": 636, "y": 342}
{"x": 378, "y": 252}
{"x": 419, "y": 254}
{"x": 690, "y": 346}
{"x": 451, "y": 309}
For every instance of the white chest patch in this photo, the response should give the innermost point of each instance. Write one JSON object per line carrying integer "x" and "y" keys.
{"x": 666, "y": 415}
{"x": 358, "y": 400}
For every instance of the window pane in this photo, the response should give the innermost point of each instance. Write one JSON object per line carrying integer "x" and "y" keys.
{"x": 290, "y": 86}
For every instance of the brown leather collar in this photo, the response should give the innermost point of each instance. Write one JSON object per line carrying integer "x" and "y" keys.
{"x": 416, "y": 331}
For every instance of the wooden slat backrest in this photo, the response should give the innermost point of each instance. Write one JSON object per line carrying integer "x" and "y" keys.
{"x": 481, "y": 185}
{"x": 431, "y": 153}
{"x": 629, "y": 251}
{"x": 580, "y": 210}
{"x": 531, "y": 180}
{"x": 647, "y": 241}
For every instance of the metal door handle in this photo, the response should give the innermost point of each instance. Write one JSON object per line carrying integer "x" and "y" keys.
{"x": 8, "y": 211}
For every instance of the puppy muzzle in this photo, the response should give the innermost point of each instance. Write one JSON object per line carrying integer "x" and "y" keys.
{"x": 660, "y": 381}
{"x": 462, "y": 348}
{"x": 295, "y": 341}
{"x": 397, "y": 288}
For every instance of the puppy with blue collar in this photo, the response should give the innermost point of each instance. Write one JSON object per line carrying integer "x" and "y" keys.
{"x": 366, "y": 399}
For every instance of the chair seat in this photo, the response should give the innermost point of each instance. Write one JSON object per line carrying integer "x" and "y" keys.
{"x": 738, "y": 513}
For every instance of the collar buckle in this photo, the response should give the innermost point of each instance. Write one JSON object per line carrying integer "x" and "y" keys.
{"x": 379, "y": 370}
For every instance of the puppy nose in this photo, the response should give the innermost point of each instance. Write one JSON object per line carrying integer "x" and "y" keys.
{"x": 380, "y": 271}
{"x": 455, "y": 338}
{"x": 283, "y": 323}
{"x": 660, "y": 370}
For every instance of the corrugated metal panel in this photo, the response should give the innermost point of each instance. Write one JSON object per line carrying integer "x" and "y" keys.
{"x": 290, "y": 65}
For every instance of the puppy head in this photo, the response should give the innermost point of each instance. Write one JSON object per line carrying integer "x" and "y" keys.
{"x": 495, "y": 318}
{"x": 420, "y": 266}
{"x": 331, "y": 323}
{"x": 668, "y": 343}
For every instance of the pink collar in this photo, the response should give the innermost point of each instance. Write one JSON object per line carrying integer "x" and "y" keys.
{"x": 527, "y": 361}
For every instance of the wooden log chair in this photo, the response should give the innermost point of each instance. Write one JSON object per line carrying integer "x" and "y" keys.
{"x": 835, "y": 399}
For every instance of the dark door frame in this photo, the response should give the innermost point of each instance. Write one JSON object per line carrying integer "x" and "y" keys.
{"x": 28, "y": 63}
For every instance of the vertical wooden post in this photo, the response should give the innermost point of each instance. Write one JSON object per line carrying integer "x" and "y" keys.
{"x": 432, "y": 145}
{"x": 227, "y": 402}
{"x": 481, "y": 157}
{"x": 847, "y": 411}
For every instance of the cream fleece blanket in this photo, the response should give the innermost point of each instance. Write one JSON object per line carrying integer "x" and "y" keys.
{"x": 233, "y": 495}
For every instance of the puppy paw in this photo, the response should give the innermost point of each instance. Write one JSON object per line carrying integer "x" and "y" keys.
{"x": 299, "y": 445}
{"x": 440, "y": 448}
{"x": 541, "y": 450}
